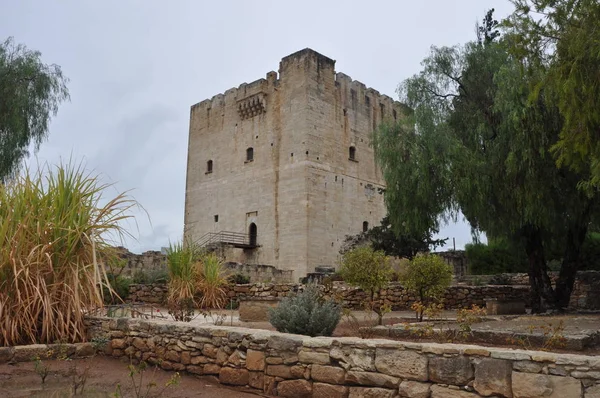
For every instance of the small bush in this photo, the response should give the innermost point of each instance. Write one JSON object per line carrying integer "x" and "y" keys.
{"x": 152, "y": 276}
{"x": 306, "y": 313}
{"x": 496, "y": 257}
{"x": 239, "y": 279}
{"x": 119, "y": 285}
{"x": 428, "y": 276}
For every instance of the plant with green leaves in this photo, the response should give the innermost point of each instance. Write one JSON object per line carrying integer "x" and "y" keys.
{"x": 212, "y": 283}
{"x": 369, "y": 270}
{"x": 55, "y": 226}
{"x": 475, "y": 144}
{"x": 30, "y": 93}
{"x": 184, "y": 265}
{"x": 306, "y": 313}
{"x": 562, "y": 38}
{"x": 428, "y": 276}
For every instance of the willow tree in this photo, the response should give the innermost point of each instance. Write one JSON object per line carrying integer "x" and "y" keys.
{"x": 476, "y": 144}
{"x": 563, "y": 37}
{"x": 30, "y": 92}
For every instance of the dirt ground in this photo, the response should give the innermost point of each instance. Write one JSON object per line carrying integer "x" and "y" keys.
{"x": 103, "y": 376}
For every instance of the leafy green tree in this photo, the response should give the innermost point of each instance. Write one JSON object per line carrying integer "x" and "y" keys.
{"x": 562, "y": 37}
{"x": 476, "y": 144}
{"x": 382, "y": 237}
{"x": 30, "y": 92}
{"x": 428, "y": 276}
{"x": 369, "y": 270}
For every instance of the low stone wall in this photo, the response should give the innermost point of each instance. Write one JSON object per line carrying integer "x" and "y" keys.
{"x": 395, "y": 294}
{"x": 586, "y": 294}
{"x": 26, "y": 353}
{"x": 260, "y": 273}
{"x": 155, "y": 293}
{"x": 296, "y": 366}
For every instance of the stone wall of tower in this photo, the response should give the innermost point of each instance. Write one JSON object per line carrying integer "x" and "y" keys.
{"x": 301, "y": 189}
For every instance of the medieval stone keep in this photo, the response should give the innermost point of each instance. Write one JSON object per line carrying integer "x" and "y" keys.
{"x": 280, "y": 170}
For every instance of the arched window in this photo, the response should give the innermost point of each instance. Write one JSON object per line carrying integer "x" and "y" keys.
{"x": 352, "y": 153}
{"x": 365, "y": 226}
{"x": 253, "y": 233}
{"x": 249, "y": 154}
{"x": 209, "y": 166}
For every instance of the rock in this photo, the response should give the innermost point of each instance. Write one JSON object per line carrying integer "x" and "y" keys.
{"x": 256, "y": 380}
{"x": 233, "y": 376}
{"x": 328, "y": 374}
{"x": 527, "y": 385}
{"x": 285, "y": 342}
{"x": 186, "y": 358}
{"x": 280, "y": 371}
{"x": 371, "y": 379}
{"x": 26, "y": 353}
{"x": 118, "y": 344}
{"x": 355, "y": 357}
{"x": 140, "y": 344}
{"x": 211, "y": 369}
{"x": 364, "y": 392}
{"x": 294, "y": 389}
{"x": 414, "y": 389}
{"x": 445, "y": 392}
{"x": 83, "y": 350}
{"x": 593, "y": 392}
{"x": 528, "y": 366}
{"x": 172, "y": 356}
{"x": 323, "y": 390}
{"x": 255, "y": 360}
{"x": 269, "y": 385}
{"x": 6, "y": 354}
{"x": 307, "y": 356}
{"x": 493, "y": 376}
{"x": 405, "y": 364}
{"x": 197, "y": 370}
{"x": 454, "y": 370}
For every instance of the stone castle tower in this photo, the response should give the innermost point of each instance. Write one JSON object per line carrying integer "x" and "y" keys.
{"x": 281, "y": 170}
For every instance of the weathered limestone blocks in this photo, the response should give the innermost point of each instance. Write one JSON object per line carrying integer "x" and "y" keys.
{"x": 288, "y": 365}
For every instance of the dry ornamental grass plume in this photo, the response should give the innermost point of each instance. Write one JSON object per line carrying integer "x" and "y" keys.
{"x": 55, "y": 227}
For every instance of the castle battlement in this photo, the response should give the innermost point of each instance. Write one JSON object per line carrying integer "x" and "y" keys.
{"x": 364, "y": 95}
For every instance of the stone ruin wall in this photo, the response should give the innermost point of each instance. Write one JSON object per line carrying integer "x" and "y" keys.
{"x": 286, "y": 365}
{"x": 585, "y": 295}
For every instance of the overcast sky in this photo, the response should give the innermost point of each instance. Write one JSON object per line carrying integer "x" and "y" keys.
{"x": 136, "y": 67}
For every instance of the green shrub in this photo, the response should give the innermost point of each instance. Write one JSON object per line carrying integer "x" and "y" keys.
{"x": 120, "y": 285}
{"x": 428, "y": 276}
{"x": 369, "y": 270}
{"x": 497, "y": 257}
{"x": 239, "y": 279}
{"x": 148, "y": 277}
{"x": 306, "y": 313}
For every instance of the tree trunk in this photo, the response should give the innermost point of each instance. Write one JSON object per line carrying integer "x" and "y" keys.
{"x": 542, "y": 295}
{"x": 570, "y": 265}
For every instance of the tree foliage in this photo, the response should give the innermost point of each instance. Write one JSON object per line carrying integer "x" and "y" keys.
{"x": 382, "y": 237}
{"x": 30, "y": 92}
{"x": 562, "y": 37}
{"x": 428, "y": 276}
{"x": 477, "y": 143}
{"x": 369, "y": 270}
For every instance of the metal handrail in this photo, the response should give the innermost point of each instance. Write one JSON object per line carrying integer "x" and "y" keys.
{"x": 228, "y": 237}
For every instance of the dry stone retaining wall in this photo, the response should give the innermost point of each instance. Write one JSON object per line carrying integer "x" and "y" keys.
{"x": 585, "y": 296}
{"x": 296, "y": 366}
{"x": 395, "y": 294}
